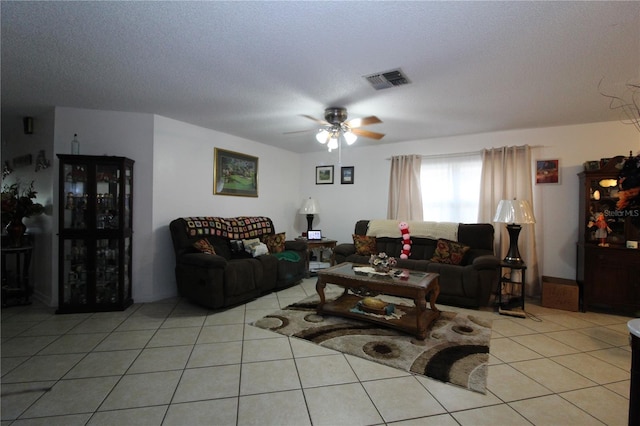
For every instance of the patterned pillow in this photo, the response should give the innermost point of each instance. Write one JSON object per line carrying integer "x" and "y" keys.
{"x": 274, "y": 242}
{"x": 250, "y": 244}
{"x": 450, "y": 252}
{"x": 204, "y": 246}
{"x": 365, "y": 245}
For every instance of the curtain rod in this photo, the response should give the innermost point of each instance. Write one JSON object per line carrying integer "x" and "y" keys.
{"x": 458, "y": 154}
{"x": 462, "y": 154}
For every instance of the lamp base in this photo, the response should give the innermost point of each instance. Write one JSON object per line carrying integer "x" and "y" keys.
{"x": 309, "y": 222}
{"x": 513, "y": 255}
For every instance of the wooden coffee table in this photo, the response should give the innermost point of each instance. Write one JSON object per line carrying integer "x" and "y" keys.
{"x": 416, "y": 285}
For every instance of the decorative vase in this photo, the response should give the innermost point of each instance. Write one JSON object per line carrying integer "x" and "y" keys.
{"x": 15, "y": 231}
{"x": 382, "y": 268}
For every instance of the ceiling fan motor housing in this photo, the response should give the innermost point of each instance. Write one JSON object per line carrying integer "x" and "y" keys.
{"x": 335, "y": 115}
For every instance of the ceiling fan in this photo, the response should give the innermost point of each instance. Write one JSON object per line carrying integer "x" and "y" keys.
{"x": 335, "y": 124}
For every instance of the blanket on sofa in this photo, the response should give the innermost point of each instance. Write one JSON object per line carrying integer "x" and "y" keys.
{"x": 435, "y": 230}
{"x": 236, "y": 228}
{"x": 288, "y": 255}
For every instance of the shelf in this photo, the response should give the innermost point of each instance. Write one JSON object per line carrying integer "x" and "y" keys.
{"x": 344, "y": 305}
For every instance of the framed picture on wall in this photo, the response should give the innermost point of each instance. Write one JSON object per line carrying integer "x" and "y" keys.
{"x": 324, "y": 175}
{"x": 547, "y": 171}
{"x": 346, "y": 175}
{"x": 235, "y": 174}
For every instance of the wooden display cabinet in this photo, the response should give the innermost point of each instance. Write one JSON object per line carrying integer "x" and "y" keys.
{"x": 607, "y": 271}
{"x": 95, "y": 232}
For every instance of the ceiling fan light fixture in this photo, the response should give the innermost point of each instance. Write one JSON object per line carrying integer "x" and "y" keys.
{"x": 322, "y": 136}
{"x": 349, "y": 137}
{"x": 335, "y": 129}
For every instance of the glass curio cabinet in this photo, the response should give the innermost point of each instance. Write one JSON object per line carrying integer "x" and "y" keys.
{"x": 95, "y": 233}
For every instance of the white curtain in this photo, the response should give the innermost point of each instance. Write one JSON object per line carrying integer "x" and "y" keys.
{"x": 506, "y": 174}
{"x": 405, "y": 195}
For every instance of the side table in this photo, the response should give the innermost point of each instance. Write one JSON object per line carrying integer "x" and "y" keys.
{"x": 512, "y": 279}
{"x": 322, "y": 244}
{"x": 19, "y": 287}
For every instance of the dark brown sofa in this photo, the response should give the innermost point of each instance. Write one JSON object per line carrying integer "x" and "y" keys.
{"x": 231, "y": 276}
{"x": 469, "y": 284}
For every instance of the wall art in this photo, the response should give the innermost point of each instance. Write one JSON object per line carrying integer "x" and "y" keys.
{"x": 547, "y": 171}
{"x": 346, "y": 175}
{"x": 324, "y": 175}
{"x": 235, "y": 174}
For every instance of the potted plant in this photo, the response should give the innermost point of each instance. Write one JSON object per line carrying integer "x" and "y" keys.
{"x": 16, "y": 205}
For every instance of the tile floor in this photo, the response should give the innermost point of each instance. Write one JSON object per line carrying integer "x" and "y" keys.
{"x": 173, "y": 363}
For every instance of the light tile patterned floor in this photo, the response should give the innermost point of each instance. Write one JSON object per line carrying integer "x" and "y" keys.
{"x": 174, "y": 363}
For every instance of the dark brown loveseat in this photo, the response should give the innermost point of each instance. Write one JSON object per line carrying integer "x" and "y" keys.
{"x": 232, "y": 275}
{"x": 469, "y": 284}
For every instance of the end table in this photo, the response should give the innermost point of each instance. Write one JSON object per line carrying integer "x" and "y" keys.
{"x": 322, "y": 244}
{"x": 512, "y": 279}
{"x": 19, "y": 287}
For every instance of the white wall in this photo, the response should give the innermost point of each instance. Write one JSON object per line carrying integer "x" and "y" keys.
{"x": 173, "y": 177}
{"x": 183, "y": 186}
{"x": 15, "y": 144}
{"x": 556, "y": 206}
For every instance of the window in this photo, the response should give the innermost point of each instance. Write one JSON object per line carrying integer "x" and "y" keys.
{"x": 451, "y": 187}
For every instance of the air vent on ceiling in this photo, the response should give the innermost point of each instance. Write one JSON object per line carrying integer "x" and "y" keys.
{"x": 384, "y": 80}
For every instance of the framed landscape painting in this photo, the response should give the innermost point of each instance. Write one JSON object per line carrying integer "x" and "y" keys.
{"x": 324, "y": 175}
{"x": 235, "y": 174}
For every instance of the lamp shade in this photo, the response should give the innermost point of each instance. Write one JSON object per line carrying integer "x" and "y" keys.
{"x": 322, "y": 136}
{"x": 309, "y": 206}
{"x": 514, "y": 211}
{"x": 333, "y": 143}
{"x": 349, "y": 137}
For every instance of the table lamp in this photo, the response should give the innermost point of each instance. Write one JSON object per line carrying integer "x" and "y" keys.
{"x": 309, "y": 207}
{"x": 514, "y": 213}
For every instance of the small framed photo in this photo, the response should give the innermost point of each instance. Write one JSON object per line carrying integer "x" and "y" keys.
{"x": 547, "y": 171}
{"x": 591, "y": 165}
{"x": 604, "y": 162}
{"x": 324, "y": 175}
{"x": 235, "y": 174}
{"x": 346, "y": 175}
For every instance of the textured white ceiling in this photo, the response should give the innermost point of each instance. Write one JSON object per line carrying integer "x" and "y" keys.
{"x": 251, "y": 68}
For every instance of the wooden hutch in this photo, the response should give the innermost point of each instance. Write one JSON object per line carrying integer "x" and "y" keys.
{"x": 608, "y": 269}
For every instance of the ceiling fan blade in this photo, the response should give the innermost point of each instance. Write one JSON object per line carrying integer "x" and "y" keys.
{"x": 300, "y": 131}
{"x": 358, "y": 122}
{"x": 367, "y": 134}
{"x": 322, "y": 122}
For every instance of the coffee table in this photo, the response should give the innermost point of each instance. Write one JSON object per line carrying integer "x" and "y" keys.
{"x": 416, "y": 285}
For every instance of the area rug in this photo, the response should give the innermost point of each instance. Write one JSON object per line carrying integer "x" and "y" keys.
{"x": 455, "y": 351}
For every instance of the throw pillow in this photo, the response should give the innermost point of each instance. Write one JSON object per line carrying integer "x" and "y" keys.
{"x": 274, "y": 242}
{"x": 204, "y": 246}
{"x": 236, "y": 246}
{"x": 450, "y": 252}
{"x": 365, "y": 245}
{"x": 259, "y": 249}
{"x": 250, "y": 244}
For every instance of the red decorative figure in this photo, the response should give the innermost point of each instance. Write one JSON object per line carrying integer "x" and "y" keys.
{"x": 406, "y": 240}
